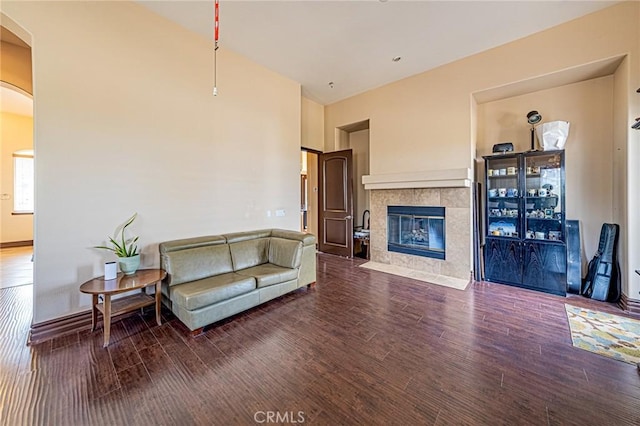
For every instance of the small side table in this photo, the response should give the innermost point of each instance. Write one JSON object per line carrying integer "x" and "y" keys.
{"x": 142, "y": 279}
{"x": 361, "y": 247}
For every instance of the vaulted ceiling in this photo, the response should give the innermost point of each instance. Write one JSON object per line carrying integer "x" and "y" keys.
{"x": 351, "y": 44}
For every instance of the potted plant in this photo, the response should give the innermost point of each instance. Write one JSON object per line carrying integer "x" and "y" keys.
{"x": 125, "y": 249}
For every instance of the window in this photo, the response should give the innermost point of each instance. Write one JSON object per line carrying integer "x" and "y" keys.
{"x": 23, "y": 181}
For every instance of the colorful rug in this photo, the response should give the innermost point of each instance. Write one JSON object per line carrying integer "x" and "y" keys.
{"x": 605, "y": 334}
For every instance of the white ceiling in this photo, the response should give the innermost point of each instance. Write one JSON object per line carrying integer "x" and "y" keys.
{"x": 351, "y": 43}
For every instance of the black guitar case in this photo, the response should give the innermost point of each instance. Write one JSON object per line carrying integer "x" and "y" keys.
{"x": 603, "y": 274}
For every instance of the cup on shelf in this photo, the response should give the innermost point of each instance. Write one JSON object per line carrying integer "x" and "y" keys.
{"x": 531, "y": 235}
{"x": 535, "y": 169}
{"x": 555, "y": 235}
{"x": 540, "y": 236}
{"x": 529, "y": 170}
{"x": 532, "y": 192}
{"x": 512, "y": 192}
{"x": 511, "y": 170}
{"x": 542, "y": 192}
{"x": 502, "y": 192}
{"x": 503, "y": 172}
{"x": 490, "y": 172}
{"x": 493, "y": 192}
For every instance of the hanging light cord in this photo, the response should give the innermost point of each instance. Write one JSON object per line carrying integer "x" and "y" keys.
{"x": 216, "y": 30}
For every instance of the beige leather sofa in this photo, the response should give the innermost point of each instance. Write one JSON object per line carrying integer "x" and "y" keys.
{"x": 214, "y": 277}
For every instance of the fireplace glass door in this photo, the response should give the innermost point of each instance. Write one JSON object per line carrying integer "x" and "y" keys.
{"x": 416, "y": 230}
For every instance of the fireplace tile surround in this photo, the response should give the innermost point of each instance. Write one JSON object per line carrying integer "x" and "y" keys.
{"x": 457, "y": 202}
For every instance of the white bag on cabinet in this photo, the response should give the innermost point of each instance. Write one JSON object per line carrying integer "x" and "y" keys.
{"x": 553, "y": 135}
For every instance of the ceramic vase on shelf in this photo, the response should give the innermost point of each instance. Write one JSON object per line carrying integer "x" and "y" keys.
{"x": 129, "y": 265}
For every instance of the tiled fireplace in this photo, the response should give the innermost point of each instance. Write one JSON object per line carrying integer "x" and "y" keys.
{"x": 453, "y": 195}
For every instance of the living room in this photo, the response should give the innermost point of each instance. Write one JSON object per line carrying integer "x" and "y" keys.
{"x": 124, "y": 121}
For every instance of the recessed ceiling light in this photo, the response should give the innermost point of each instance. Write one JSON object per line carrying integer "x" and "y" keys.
{"x": 396, "y": 58}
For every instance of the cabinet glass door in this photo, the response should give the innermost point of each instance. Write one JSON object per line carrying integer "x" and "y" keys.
{"x": 503, "y": 204}
{"x": 544, "y": 213}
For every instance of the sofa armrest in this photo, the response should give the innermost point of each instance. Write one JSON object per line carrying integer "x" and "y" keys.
{"x": 307, "y": 273}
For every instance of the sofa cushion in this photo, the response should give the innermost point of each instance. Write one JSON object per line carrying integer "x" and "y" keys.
{"x": 269, "y": 274}
{"x": 246, "y": 254}
{"x": 208, "y": 291}
{"x": 285, "y": 253}
{"x": 197, "y": 263}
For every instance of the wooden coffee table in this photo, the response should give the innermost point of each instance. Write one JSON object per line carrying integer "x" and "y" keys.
{"x": 142, "y": 279}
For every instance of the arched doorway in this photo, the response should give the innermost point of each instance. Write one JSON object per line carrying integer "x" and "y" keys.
{"x": 16, "y": 157}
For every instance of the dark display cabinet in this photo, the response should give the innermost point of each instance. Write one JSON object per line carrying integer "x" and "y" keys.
{"x": 525, "y": 220}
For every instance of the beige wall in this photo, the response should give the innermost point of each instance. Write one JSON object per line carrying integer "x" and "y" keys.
{"x": 427, "y": 122}
{"x": 125, "y": 122}
{"x": 627, "y": 170}
{"x": 359, "y": 144}
{"x": 312, "y": 182}
{"x": 16, "y": 134}
{"x": 588, "y": 153}
{"x": 424, "y": 122}
{"x": 312, "y": 125}
{"x": 312, "y": 116}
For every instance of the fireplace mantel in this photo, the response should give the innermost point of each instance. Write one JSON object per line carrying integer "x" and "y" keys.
{"x": 447, "y": 178}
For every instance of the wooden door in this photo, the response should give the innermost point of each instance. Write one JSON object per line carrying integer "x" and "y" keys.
{"x": 335, "y": 176}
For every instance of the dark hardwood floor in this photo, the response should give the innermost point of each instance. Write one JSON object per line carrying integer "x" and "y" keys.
{"x": 364, "y": 347}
